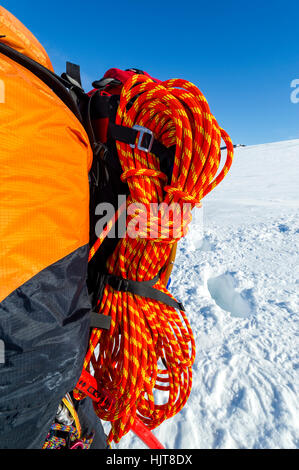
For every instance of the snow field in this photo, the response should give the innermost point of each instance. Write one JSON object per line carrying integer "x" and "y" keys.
{"x": 237, "y": 274}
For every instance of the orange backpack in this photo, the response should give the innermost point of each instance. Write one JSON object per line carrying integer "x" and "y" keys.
{"x": 45, "y": 157}
{"x": 160, "y": 143}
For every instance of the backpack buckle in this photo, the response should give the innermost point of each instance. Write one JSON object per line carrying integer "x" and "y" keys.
{"x": 118, "y": 283}
{"x": 144, "y": 143}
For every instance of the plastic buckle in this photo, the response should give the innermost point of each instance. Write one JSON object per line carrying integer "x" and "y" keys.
{"x": 104, "y": 82}
{"x": 125, "y": 285}
{"x": 118, "y": 283}
{"x": 142, "y": 131}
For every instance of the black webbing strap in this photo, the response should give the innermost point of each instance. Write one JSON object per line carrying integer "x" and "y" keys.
{"x": 143, "y": 289}
{"x": 97, "y": 320}
{"x": 105, "y": 107}
{"x": 53, "y": 81}
{"x": 128, "y": 135}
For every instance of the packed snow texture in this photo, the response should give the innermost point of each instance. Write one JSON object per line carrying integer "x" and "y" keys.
{"x": 237, "y": 274}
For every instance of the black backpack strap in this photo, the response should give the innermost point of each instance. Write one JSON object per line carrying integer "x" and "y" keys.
{"x": 57, "y": 84}
{"x": 146, "y": 142}
{"x": 105, "y": 106}
{"x": 129, "y": 135}
{"x": 143, "y": 289}
{"x": 97, "y": 320}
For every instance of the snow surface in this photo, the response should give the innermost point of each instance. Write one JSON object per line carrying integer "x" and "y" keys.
{"x": 238, "y": 279}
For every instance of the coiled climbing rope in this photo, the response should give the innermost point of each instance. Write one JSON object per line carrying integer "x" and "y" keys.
{"x": 145, "y": 359}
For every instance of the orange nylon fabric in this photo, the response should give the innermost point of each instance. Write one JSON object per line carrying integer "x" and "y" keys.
{"x": 21, "y": 39}
{"x": 150, "y": 346}
{"x": 45, "y": 156}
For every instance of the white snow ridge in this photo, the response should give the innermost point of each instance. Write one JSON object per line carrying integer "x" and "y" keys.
{"x": 239, "y": 283}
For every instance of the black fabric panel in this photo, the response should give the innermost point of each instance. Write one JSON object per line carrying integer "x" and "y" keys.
{"x": 45, "y": 328}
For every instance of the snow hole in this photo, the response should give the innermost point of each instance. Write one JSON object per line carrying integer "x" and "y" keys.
{"x": 222, "y": 290}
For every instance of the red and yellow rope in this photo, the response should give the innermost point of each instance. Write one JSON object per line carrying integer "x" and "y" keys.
{"x": 150, "y": 346}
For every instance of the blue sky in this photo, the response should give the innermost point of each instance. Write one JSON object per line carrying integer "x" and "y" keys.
{"x": 242, "y": 55}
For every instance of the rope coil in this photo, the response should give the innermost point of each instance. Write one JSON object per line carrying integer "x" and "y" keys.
{"x": 150, "y": 346}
